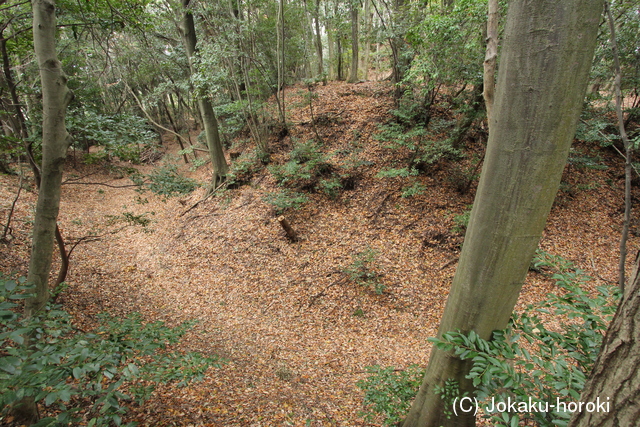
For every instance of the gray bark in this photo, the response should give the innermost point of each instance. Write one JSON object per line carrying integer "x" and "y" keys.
{"x": 546, "y": 58}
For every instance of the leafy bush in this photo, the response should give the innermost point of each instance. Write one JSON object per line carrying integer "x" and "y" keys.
{"x": 553, "y": 365}
{"x": 425, "y": 150}
{"x": 416, "y": 189}
{"x": 81, "y": 375}
{"x": 389, "y": 391}
{"x": 306, "y": 165}
{"x": 243, "y": 168}
{"x": 285, "y": 199}
{"x": 461, "y": 221}
{"x": 123, "y": 136}
{"x": 167, "y": 182}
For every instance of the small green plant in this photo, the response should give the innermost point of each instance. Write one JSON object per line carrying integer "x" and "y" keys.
{"x": 306, "y": 165}
{"x": 389, "y": 391}
{"x": 449, "y": 393}
{"x": 331, "y": 186}
{"x": 285, "y": 199}
{"x": 244, "y": 168}
{"x": 551, "y": 367}
{"x": 416, "y": 189}
{"x": 362, "y": 271}
{"x": 461, "y": 221}
{"x": 82, "y": 376}
{"x": 167, "y": 182}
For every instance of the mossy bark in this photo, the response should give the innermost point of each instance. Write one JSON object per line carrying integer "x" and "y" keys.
{"x": 546, "y": 57}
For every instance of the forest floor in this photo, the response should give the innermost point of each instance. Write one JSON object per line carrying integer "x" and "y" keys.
{"x": 295, "y": 332}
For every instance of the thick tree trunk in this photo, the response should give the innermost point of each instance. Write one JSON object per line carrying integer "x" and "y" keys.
{"x": 615, "y": 378}
{"x": 546, "y": 58}
{"x": 355, "y": 54}
{"x": 216, "y": 153}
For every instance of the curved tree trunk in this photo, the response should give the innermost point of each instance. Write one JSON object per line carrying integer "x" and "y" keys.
{"x": 615, "y": 378}
{"x": 546, "y": 58}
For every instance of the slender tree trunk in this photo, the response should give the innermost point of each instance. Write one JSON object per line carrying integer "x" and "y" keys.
{"x": 209, "y": 121}
{"x": 367, "y": 40}
{"x": 490, "y": 59}
{"x": 615, "y": 378}
{"x": 318, "y": 43}
{"x": 56, "y": 96}
{"x": 355, "y": 53}
{"x": 544, "y": 68}
{"x": 628, "y": 148}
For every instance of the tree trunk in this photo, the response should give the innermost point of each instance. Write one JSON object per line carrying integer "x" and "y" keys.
{"x": 546, "y": 58}
{"x": 615, "y": 378}
{"x": 55, "y": 99}
{"x": 628, "y": 149}
{"x": 56, "y": 96}
{"x": 216, "y": 153}
{"x": 318, "y": 43}
{"x": 367, "y": 40}
{"x": 355, "y": 55}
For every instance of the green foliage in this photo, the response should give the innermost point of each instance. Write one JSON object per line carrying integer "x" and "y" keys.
{"x": 396, "y": 172}
{"x": 389, "y": 391}
{"x": 362, "y": 271}
{"x": 552, "y": 365}
{"x": 285, "y": 199}
{"x": 416, "y": 189}
{"x": 81, "y": 375}
{"x": 583, "y": 161}
{"x": 308, "y": 169}
{"x": 244, "y": 168}
{"x": 424, "y": 149}
{"x": 461, "y": 221}
{"x": 557, "y": 367}
{"x": 121, "y": 135}
{"x": 449, "y": 393}
{"x": 167, "y": 182}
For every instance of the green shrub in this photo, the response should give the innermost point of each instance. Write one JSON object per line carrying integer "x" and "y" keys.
{"x": 167, "y": 182}
{"x": 461, "y": 221}
{"x": 123, "y": 136}
{"x": 244, "y": 168}
{"x": 553, "y": 365}
{"x": 416, "y": 189}
{"x": 80, "y": 376}
{"x": 285, "y": 199}
{"x": 308, "y": 169}
{"x": 389, "y": 391}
